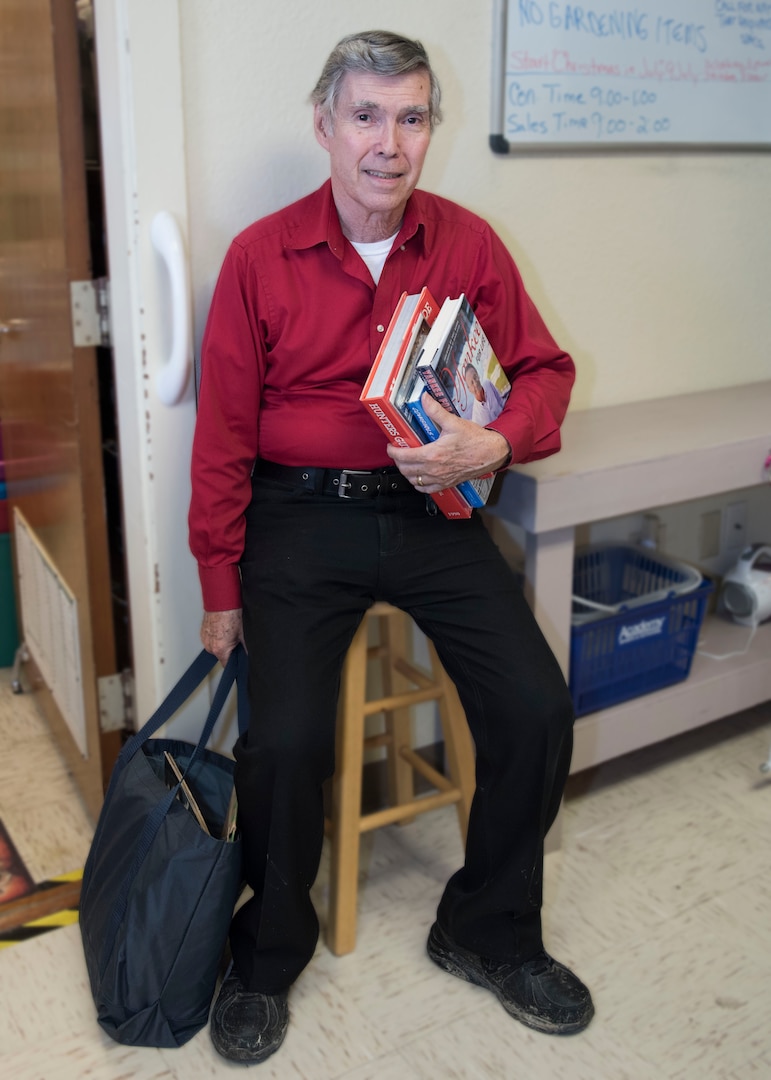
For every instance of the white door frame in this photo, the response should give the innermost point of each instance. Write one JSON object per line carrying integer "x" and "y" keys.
{"x": 144, "y": 169}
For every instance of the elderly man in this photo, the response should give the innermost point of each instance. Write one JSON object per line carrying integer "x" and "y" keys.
{"x": 488, "y": 400}
{"x": 302, "y": 516}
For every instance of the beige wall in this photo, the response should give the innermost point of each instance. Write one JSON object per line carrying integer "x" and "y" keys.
{"x": 652, "y": 269}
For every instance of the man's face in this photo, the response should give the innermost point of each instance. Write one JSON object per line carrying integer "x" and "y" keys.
{"x": 377, "y": 142}
{"x": 473, "y": 383}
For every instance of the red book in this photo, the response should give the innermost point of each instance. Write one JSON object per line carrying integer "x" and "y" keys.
{"x": 402, "y": 345}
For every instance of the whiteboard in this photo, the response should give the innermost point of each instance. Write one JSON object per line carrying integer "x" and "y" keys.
{"x": 647, "y": 73}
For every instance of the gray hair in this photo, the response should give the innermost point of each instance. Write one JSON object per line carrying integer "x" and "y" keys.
{"x": 377, "y": 52}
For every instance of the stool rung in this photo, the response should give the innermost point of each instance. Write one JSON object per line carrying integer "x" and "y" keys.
{"x": 374, "y": 742}
{"x": 419, "y": 764}
{"x": 399, "y": 701}
{"x": 414, "y": 674}
{"x": 406, "y": 810}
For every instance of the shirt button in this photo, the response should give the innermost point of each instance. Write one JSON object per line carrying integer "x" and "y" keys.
{"x": 380, "y": 328}
{"x": 404, "y": 247}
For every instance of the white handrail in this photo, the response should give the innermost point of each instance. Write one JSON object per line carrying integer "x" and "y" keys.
{"x": 171, "y": 381}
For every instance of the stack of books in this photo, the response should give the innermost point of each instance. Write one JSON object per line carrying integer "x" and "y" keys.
{"x": 441, "y": 350}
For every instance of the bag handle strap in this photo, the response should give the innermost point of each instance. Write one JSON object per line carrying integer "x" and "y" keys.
{"x": 175, "y": 699}
{"x": 235, "y": 671}
{"x": 178, "y": 695}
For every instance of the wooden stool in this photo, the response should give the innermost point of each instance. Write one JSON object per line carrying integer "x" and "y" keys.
{"x": 403, "y": 685}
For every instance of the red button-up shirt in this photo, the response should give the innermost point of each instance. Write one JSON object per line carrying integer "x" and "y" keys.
{"x": 294, "y": 326}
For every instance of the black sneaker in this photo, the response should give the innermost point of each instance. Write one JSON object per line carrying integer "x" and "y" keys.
{"x": 248, "y": 1027}
{"x": 541, "y": 993}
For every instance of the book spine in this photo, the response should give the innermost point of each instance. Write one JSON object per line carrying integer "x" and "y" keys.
{"x": 434, "y": 384}
{"x": 399, "y": 432}
{"x": 452, "y": 504}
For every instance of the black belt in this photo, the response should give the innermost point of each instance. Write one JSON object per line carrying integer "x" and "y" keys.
{"x": 347, "y": 483}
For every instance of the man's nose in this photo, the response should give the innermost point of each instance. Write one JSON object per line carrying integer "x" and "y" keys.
{"x": 389, "y": 139}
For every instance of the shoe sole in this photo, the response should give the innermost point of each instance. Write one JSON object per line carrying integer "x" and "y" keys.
{"x": 453, "y": 964}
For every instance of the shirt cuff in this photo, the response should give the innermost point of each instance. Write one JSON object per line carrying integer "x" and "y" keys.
{"x": 517, "y": 430}
{"x": 507, "y": 462}
{"x": 220, "y": 587}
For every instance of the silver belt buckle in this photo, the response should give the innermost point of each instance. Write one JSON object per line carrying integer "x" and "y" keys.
{"x": 344, "y": 474}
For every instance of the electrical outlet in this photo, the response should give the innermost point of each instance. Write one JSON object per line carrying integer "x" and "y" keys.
{"x": 709, "y": 534}
{"x": 734, "y": 526}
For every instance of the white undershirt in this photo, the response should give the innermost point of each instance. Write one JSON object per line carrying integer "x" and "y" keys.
{"x": 375, "y": 255}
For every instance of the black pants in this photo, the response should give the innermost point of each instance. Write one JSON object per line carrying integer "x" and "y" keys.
{"x": 312, "y": 566}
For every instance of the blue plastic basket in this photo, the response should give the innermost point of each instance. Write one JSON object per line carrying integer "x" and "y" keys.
{"x": 636, "y": 622}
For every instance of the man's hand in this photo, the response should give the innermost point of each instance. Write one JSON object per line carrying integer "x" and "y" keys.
{"x": 463, "y": 451}
{"x": 221, "y": 631}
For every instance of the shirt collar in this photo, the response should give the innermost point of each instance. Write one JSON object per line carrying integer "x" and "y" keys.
{"x": 318, "y": 223}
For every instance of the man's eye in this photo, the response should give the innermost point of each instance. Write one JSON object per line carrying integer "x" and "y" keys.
{"x": 363, "y": 117}
{"x": 415, "y": 121}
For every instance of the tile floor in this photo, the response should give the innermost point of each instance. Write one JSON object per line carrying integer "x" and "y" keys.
{"x": 659, "y": 897}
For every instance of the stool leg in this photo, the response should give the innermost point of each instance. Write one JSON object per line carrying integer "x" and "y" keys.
{"x": 346, "y": 808}
{"x": 458, "y": 744}
{"x": 394, "y": 631}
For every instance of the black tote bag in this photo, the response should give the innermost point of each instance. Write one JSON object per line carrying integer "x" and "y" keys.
{"x": 158, "y": 892}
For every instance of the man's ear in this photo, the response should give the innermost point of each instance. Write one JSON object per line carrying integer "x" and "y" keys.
{"x": 321, "y": 126}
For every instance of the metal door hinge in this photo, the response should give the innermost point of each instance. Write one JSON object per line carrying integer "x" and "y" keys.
{"x": 90, "y": 304}
{"x": 116, "y": 701}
